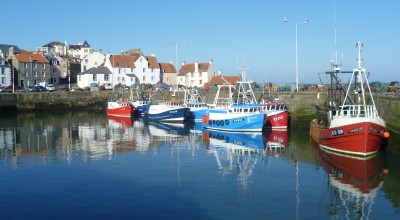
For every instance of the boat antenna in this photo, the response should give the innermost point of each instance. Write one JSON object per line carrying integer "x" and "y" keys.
{"x": 242, "y": 69}
{"x": 334, "y": 25}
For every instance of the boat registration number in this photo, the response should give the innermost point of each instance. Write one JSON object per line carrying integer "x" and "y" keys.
{"x": 337, "y": 132}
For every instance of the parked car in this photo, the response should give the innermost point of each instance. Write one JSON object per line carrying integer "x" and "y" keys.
{"x": 2, "y": 89}
{"x": 69, "y": 88}
{"x": 40, "y": 88}
{"x": 30, "y": 89}
{"x": 51, "y": 87}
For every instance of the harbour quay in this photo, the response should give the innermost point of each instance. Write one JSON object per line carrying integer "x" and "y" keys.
{"x": 302, "y": 102}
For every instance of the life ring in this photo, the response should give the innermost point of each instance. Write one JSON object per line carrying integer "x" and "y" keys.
{"x": 222, "y": 123}
{"x": 217, "y": 123}
{"x": 227, "y": 122}
{"x": 210, "y": 122}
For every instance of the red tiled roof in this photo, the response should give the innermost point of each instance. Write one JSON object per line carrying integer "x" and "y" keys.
{"x": 167, "y": 68}
{"x": 153, "y": 63}
{"x": 123, "y": 61}
{"x": 217, "y": 80}
{"x": 25, "y": 58}
{"x": 189, "y": 68}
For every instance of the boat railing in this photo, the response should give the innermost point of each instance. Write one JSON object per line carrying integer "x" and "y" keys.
{"x": 356, "y": 111}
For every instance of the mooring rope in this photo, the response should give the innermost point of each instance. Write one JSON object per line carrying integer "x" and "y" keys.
{"x": 395, "y": 131}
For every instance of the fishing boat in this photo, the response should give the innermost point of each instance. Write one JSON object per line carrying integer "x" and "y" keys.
{"x": 353, "y": 127}
{"x": 170, "y": 111}
{"x": 239, "y": 115}
{"x": 198, "y": 108}
{"x": 277, "y": 114}
{"x": 121, "y": 108}
{"x": 141, "y": 103}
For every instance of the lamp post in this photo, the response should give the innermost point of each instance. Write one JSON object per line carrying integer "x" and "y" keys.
{"x": 297, "y": 56}
{"x": 176, "y": 51}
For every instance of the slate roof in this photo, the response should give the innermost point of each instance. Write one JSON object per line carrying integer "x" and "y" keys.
{"x": 168, "y": 67}
{"x": 25, "y": 58}
{"x": 53, "y": 44}
{"x": 4, "y": 48}
{"x": 217, "y": 80}
{"x": 96, "y": 70}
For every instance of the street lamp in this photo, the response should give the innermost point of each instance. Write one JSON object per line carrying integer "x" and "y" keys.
{"x": 176, "y": 51}
{"x": 297, "y": 56}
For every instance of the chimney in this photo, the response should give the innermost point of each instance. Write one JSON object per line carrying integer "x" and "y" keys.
{"x": 196, "y": 67}
{"x": 100, "y": 50}
{"x": 11, "y": 51}
{"x": 153, "y": 55}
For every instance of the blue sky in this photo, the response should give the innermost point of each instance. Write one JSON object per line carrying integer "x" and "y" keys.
{"x": 225, "y": 31}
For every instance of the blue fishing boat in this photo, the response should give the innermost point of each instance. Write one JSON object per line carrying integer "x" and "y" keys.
{"x": 171, "y": 111}
{"x": 240, "y": 115}
{"x": 141, "y": 104}
{"x": 198, "y": 108}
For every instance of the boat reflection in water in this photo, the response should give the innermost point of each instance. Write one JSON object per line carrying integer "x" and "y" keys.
{"x": 120, "y": 122}
{"x": 353, "y": 181}
{"x": 275, "y": 141}
{"x": 235, "y": 153}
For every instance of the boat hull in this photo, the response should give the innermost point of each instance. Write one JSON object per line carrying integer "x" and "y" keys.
{"x": 120, "y": 109}
{"x": 234, "y": 122}
{"x": 277, "y": 120}
{"x": 169, "y": 115}
{"x": 359, "y": 139}
{"x": 196, "y": 114}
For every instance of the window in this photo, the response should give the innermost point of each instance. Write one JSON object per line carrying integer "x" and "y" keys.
{"x": 94, "y": 77}
{"x": 26, "y": 65}
{"x": 144, "y": 78}
{"x": 132, "y": 79}
{"x": 43, "y": 66}
{"x": 54, "y": 71}
{"x": 106, "y": 77}
{"x": 43, "y": 74}
{"x": 34, "y": 74}
{"x": 84, "y": 68}
{"x": 152, "y": 78}
{"x": 26, "y": 73}
{"x": 144, "y": 69}
{"x": 34, "y": 65}
{"x": 152, "y": 69}
{"x": 79, "y": 78}
{"x": 86, "y": 61}
{"x": 3, "y": 80}
{"x": 3, "y": 71}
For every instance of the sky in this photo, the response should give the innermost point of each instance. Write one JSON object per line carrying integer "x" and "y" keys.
{"x": 231, "y": 33}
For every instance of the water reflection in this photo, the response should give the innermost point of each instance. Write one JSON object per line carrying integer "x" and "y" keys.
{"x": 353, "y": 183}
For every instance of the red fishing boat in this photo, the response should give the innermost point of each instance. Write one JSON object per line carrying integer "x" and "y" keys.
{"x": 277, "y": 114}
{"x": 122, "y": 108}
{"x": 354, "y": 127}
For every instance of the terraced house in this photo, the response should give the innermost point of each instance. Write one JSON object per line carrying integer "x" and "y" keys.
{"x": 195, "y": 74}
{"x": 31, "y": 69}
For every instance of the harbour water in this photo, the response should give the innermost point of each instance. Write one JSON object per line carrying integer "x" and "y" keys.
{"x": 83, "y": 165}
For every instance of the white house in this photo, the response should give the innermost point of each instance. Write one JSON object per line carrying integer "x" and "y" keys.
{"x": 133, "y": 69}
{"x": 92, "y": 59}
{"x": 195, "y": 74}
{"x": 122, "y": 67}
{"x": 5, "y": 73}
{"x": 79, "y": 50}
{"x": 98, "y": 74}
{"x": 147, "y": 70}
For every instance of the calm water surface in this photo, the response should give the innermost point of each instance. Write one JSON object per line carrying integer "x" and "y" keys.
{"x": 83, "y": 165}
